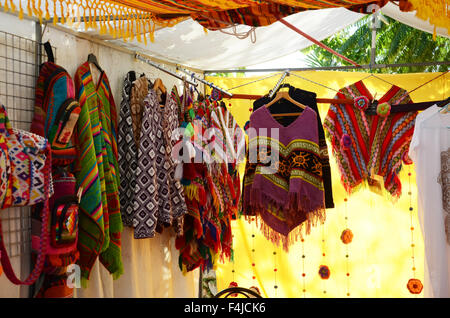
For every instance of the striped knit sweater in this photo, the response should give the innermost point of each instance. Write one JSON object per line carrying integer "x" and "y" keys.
{"x": 97, "y": 172}
{"x": 377, "y": 143}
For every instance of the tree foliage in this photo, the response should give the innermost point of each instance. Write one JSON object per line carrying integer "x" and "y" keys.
{"x": 395, "y": 43}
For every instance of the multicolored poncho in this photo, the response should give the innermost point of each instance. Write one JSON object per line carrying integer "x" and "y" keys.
{"x": 212, "y": 184}
{"x": 366, "y": 146}
{"x": 283, "y": 182}
{"x": 97, "y": 173}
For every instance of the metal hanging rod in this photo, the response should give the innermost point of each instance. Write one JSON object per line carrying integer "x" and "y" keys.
{"x": 159, "y": 67}
{"x": 192, "y": 75}
{"x": 272, "y": 92}
{"x": 330, "y": 68}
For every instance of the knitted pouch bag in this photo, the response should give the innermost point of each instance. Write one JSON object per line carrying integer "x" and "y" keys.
{"x": 25, "y": 162}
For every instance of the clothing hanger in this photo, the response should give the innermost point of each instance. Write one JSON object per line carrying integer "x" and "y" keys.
{"x": 93, "y": 60}
{"x": 158, "y": 85}
{"x": 285, "y": 95}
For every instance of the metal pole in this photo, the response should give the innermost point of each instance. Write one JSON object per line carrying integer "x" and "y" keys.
{"x": 329, "y": 68}
{"x": 159, "y": 67}
{"x": 205, "y": 82}
{"x": 272, "y": 92}
{"x": 373, "y": 50}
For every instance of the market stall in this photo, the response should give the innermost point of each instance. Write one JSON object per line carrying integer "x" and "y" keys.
{"x": 152, "y": 189}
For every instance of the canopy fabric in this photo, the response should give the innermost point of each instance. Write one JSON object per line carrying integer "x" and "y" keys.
{"x": 129, "y": 18}
{"x": 186, "y": 43}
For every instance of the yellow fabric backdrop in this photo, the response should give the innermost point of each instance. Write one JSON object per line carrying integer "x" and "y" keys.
{"x": 380, "y": 256}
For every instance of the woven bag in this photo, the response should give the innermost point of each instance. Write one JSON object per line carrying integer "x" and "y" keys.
{"x": 25, "y": 173}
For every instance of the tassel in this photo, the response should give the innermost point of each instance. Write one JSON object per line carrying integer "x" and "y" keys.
{"x": 152, "y": 32}
{"x": 35, "y": 11}
{"x": 144, "y": 32}
{"x": 62, "y": 12}
{"x": 39, "y": 10}
{"x": 47, "y": 14}
{"x": 55, "y": 16}
{"x": 138, "y": 31}
{"x": 20, "y": 10}
{"x": 30, "y": 13}
{"x": 13, "y": 6}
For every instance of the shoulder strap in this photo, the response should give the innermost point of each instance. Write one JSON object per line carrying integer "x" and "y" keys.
{"x": 39, "y": 265}
{"x": 49, "y": 51}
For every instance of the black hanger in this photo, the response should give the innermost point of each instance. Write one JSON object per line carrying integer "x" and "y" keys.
{"x": 93, "y": 59}
{"x": 372, "y": 109}
{"x": 49, "y": 51}
{"x": 285, "y": 85}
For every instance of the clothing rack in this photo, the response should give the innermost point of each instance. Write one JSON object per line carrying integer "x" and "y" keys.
{"x": 161, "y": 68}
{"x": 211, "y": 85}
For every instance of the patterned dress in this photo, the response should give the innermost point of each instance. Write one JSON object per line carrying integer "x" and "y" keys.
{"x": 377, "y": 143}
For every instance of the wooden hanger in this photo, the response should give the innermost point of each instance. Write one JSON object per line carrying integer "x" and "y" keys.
{"x": 285, "y": 95}
{"x": 160, "y": 86}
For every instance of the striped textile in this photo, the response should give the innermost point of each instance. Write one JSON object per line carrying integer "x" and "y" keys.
{"x": 377, "y": 143}
{"x": 214, "y": 14}
{"x": 98, "y": 174}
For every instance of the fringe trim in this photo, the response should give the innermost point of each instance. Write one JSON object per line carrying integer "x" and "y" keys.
{"x": 263, "y": 202}
{"x": 133, "y": 23}
{"x": 314, "y": 218}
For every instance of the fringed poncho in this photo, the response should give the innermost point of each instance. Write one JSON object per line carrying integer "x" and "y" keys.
{"x": 366, "y": 146}
{"x": 283, "y": 182}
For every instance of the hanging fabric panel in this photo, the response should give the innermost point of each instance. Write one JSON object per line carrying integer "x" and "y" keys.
{"x": 129, "y": 19}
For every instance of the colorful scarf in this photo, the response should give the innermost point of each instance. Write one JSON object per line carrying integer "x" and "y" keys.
{"x": 97, "y": 174}
{"x": 289, "y": 192}
{"x": 366, "y": 146}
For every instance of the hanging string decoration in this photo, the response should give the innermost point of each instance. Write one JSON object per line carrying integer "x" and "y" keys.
{"x": 324, "y": 271}
{"x": 414, "y": 285}
{"x": 303, "y": 267}
{"x": 347, "y": 238}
